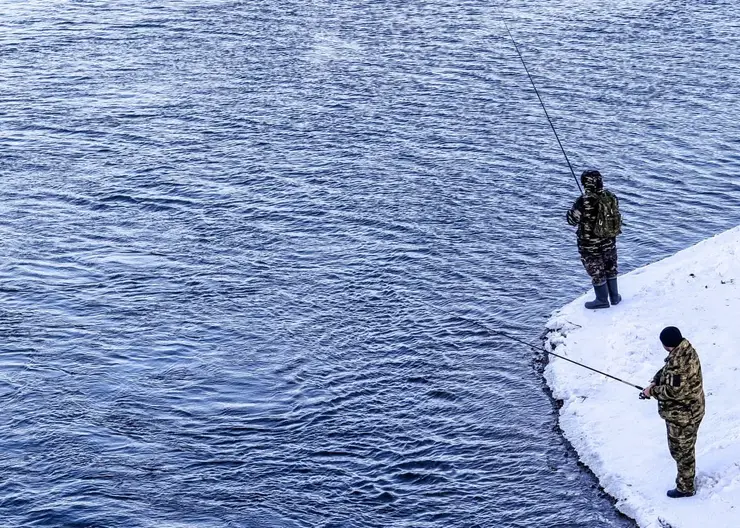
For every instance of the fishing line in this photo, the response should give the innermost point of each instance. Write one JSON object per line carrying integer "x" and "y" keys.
{"x": 543, "y": 106}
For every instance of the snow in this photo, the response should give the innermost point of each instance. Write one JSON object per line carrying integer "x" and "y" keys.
{"x": 621, "y": 438}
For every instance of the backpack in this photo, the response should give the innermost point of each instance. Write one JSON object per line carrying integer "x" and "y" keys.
{"x": 608, "y": 217}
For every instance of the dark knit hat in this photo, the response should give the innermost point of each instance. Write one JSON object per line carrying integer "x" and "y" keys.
{"x": 671, "y": 336}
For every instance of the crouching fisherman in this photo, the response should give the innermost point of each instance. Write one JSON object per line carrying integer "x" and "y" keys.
{"x": 596, "y": 213}
{"x": 678, "y": 387}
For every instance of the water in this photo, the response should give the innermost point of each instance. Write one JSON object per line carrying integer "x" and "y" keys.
{"x": 224, "y": 224}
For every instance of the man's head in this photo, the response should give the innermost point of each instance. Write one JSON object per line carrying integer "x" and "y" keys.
{"x": 592, "y": 181}
{"x": 670, "y": 337}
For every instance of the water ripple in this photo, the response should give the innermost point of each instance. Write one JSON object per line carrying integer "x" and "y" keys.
{"x": 246, "y": 246}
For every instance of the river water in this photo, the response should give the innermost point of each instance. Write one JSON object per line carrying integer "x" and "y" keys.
{"x": 245, "y": 246}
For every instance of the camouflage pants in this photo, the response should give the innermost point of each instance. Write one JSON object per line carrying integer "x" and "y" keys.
{"x": 600, "y": 265}
{"x": 681, "y": 444}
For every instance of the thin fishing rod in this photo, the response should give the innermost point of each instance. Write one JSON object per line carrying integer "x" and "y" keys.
{"x": 566, "y": 359}
{"x": 539, "y": 349}
{"x": 543, "y": 106}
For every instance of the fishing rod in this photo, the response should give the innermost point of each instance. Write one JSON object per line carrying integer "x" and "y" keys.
{"x": 539, "y": 349}
{"x": 543, "y": 106}
{"x": 566, "y": 359}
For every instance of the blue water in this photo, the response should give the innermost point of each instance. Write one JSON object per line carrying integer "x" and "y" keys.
{"x": 244, "y": 244}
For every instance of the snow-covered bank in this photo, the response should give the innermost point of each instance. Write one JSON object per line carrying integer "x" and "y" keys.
{"x": 621, "y": 438}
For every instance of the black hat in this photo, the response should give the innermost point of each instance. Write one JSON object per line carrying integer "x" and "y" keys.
{"x": 671, "y": 336}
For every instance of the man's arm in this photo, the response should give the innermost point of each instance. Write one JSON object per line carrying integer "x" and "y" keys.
{"x": 677, "y": 376}
{"x": 656, "y": 378}
{"x": 574, "y": 214}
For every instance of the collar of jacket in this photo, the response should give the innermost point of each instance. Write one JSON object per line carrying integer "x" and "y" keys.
{"x": 683, "y": 345}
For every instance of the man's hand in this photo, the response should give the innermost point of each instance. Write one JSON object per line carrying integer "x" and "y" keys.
{"x": 645, "y": 394}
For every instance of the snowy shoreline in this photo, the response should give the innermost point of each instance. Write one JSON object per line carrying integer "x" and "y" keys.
{"x": 621, "y": 438}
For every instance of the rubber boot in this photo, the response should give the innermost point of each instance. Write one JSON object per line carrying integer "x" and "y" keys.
{"x": 602, "y": 298}
{"x": 678, "y": 494}
{"x": 614, "y": 296}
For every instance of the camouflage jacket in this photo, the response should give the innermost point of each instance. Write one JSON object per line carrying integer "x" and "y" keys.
{"x": 584, "y": 215}
{"x": 679, "y": 386}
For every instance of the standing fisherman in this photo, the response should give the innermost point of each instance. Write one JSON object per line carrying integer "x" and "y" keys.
{"x": 597, "y": 216}
{"x": 678, "y": 387}
{"x": 596, "y": 213}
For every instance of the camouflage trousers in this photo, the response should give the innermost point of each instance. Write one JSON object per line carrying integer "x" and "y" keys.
{"x": 600, "y": 265}
{"x": 681, "y": 444}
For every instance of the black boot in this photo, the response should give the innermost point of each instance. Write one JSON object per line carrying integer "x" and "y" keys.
{"x": 614, "y": 296}
{"x": 602, "y": 298}
{"x": 678, "y": 494}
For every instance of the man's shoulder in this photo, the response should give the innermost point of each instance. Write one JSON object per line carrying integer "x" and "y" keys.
{"x": 686, "y": 353}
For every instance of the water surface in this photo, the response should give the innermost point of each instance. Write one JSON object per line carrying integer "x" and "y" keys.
{"x": 245, "y": 245}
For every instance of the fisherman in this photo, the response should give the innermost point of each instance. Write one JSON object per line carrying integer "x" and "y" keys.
{"x": 596, "y": 213}
{"x": 679, "y": 390}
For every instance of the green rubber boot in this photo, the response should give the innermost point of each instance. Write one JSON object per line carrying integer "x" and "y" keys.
{"x": 614, "y": 296}
{"x": 602, "y": 298}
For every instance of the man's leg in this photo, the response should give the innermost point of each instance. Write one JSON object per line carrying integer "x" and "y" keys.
{"x": 594, "y": 264}
{"x": 682, "y": 445}
{"x": 611, "y": 272}
{"x": 609, "y": 258}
